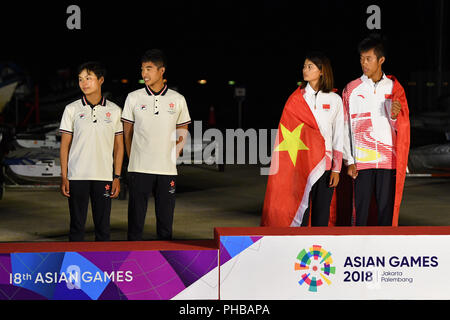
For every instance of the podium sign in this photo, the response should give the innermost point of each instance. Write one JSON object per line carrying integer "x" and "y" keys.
{"x": 335, "y": 267}
{"x": 184, "y": 273}
{"x": 351, "y": 263}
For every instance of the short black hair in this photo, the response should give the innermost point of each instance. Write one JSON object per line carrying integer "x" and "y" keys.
{"x": 374, "y": 41}
{"x": 156, "y": 56}
{"x": 93, "y": 66}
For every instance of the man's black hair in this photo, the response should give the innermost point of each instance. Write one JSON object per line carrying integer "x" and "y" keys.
{"x": 93, "y": 66}
{"x": 374, "y": 41}
{"x": 156, "y": 56}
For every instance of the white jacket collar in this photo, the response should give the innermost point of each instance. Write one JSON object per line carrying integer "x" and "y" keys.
{"x": 310, "y": 90}
{"x": 366, "y": 79}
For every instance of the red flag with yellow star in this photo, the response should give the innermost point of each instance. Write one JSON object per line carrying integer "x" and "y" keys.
{"x": 298, "y": 161}
{"x": 401, "y": 146}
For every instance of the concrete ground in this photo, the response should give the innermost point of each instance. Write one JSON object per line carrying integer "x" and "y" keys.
{"x": 206, "y": 198}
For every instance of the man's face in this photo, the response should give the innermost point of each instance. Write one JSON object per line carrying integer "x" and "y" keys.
{"x": 151, "y": 73}
{"x": 370, "y": 64}
{"x": 89, "y": 83}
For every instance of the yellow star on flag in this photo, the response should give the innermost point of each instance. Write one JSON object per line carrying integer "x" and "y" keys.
{"x": 292, "y": 142}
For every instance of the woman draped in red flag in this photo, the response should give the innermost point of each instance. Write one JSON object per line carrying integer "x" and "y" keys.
{"x": 307, "y": 157}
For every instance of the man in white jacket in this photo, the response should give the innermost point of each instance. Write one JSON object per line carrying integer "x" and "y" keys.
{"x": 155, "y": 120}
{"x": 370, "y": 118}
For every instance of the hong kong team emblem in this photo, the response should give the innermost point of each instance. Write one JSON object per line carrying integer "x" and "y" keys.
{"x": 108, "y": 117}
{"x": 172, "y": 187}
{"x": 171, "y": 109}
{"x": 107, "y": 191}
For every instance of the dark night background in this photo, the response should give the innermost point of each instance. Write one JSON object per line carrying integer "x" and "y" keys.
{"x": 260, "y": 46}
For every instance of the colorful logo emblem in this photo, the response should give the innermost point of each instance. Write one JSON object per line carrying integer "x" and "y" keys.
{"x": 315, "y": 266}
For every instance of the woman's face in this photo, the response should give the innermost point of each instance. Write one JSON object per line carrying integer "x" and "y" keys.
{"x": 310, "y": 71}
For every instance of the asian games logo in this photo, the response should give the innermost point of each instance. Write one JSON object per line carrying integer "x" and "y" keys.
{"x": 315, "y": 267}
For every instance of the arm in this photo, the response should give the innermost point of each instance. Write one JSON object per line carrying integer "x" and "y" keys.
{"x": 182, "y": 126}
{"x": 182, "y": 133}
{"x": 399, "y": 109}
{"x": 128, "y": 129}
{"x": 66, "y": 141}
{"x": 128, "y": 122}
{"x": 338, "y": 137}
{"x": 347, "y": 154}
{"x": 337, "y": 143}
{"x": 118, "y": 158}
{"x": 395, "y": 110}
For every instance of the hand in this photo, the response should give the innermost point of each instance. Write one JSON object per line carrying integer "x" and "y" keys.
{"x": 65, "y": 187}
{"x": 334, "y": 179}
{"x": 179, "y": 147}
{"x": 352, "y": 172}
{"x": 395, "y": 110}
{"x": 115, "y": 190}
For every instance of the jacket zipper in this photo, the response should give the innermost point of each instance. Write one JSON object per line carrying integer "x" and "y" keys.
{"x": 374, "y": 97}
{"x": 315, "y": 99}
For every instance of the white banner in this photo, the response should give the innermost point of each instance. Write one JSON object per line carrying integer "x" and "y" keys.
{"x": 339, "y": 267}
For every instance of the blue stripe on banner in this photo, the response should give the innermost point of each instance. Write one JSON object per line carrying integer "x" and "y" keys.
{"x": 87, "y": 277}
{"x": 41, "y": 268}
{"x": 236, "y": 245}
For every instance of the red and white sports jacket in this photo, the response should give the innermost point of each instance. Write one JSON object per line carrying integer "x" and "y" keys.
{"x": 328, "y": 111}
{"x": 370, "y": 130}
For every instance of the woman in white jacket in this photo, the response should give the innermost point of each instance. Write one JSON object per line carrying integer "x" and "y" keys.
{"x": 327, "y": 109}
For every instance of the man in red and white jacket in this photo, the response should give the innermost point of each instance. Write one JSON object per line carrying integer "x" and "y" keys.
{"x": 372, "y": 104}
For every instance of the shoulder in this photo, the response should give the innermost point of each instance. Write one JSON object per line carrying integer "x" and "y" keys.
{"x": 352, "y": 85}
{"x": 349, "y": 88}
{"x": 395, "y": 83}
{"x": 295, "y": 99}
{"x": 137, "y": 93}
{"x": 73, "y": 105}
{"x": 333, "y": 96}
{"x": 174, "y": 94}
{"x": 297, "y": 94}
{"x": 112, "y": 105}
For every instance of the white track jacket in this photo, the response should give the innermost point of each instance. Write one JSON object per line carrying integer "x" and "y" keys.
{"x": 328, "y": 111}
{"x": 370, "y": 131}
